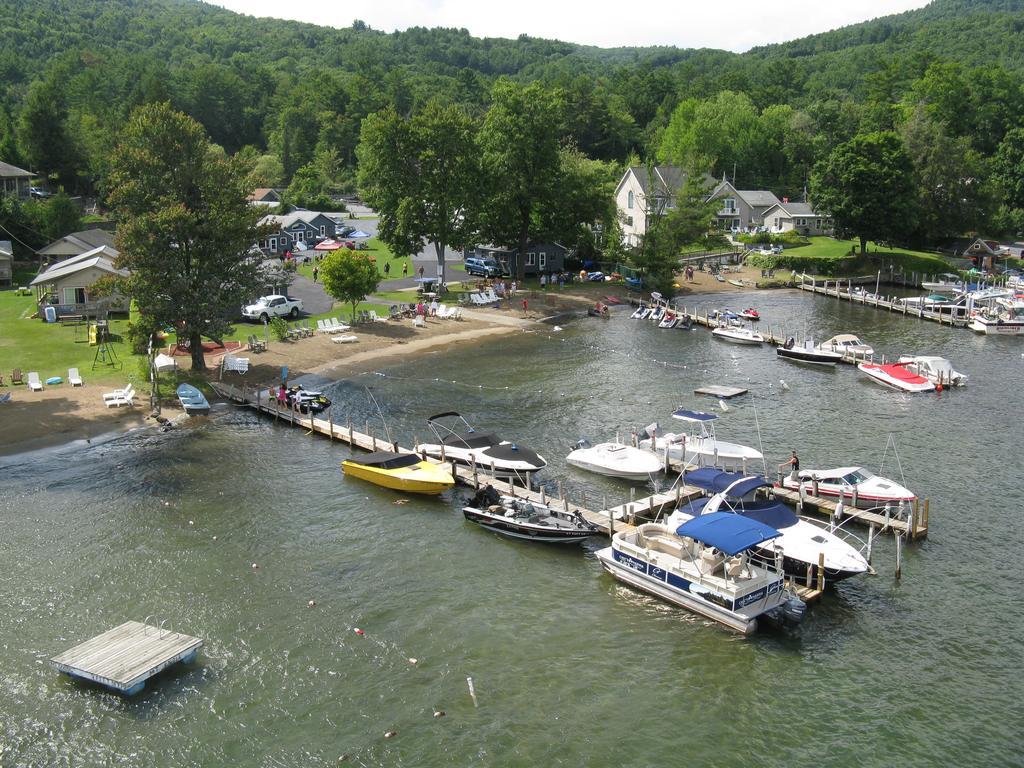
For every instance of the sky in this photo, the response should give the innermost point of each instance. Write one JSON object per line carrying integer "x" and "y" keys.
{"x": 734, "y": 25}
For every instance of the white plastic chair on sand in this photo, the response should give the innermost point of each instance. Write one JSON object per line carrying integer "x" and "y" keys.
{"x": 74, "y": 379}
{"x": 33, "y": 381}
{"x": 123, "y": 397}
{"x": 419, "y": 322}
{"x": 238, "y": 364}
{"x": 350, "y": 338}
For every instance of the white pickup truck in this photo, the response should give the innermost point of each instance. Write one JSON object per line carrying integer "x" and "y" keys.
{"x": 267, "y": 307}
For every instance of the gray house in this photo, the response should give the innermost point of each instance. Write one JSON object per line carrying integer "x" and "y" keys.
{"x": 15, "y": 181}
{"x": 787, "y": 216}
{"x": 6, "y": 263}
{"x": 541, "y": 257}
{"x": 299, "y": 227}
{"x": 74, "y": 244}
{"x": 742, "y": 209}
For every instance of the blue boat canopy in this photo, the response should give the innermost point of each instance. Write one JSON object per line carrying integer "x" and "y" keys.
{"x": 744, "y": 485}
{"x": 704, "y": 477}
{"x": 687, "y": 415}
{"x": 726, "y": 531}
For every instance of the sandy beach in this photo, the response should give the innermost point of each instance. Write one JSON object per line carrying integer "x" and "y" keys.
{"x": 62, "y": 414}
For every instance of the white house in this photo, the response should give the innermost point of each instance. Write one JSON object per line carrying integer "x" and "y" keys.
{"x": 742, "y": 209}
{"x": 76, "y": 243}
{"x": 6, "y": 262}
{"x": 640, "y": 196}
{"x": 66, "y": 284}
{"x": 787, "y": 216}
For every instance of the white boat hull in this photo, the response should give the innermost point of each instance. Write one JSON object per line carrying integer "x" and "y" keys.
{"x": 704, "y": 452}
{"x": 613, "y": 460}
{"x": 738, "y": 336}
{"x": 877, "y": 492}
{"x": 881, "y": 376}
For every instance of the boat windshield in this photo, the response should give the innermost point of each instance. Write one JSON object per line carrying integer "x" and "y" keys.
{"x": 857, "y": 476}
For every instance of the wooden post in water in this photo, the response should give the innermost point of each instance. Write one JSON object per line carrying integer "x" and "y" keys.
{"x": 926, "y": 514}
{"x": 871, "y": 541}
{"x": 821, "y": 571}
{"x": 853, "y": 497}
{"x": 899, "y": 556}
{"x": 351, "y": 441}
{"x": 611, "y": 522}
{"x": 913, "y": 519}
{"x": 472, "y": 463}
{"x": 543, "y": 500}
{"x": 330, "y": 424}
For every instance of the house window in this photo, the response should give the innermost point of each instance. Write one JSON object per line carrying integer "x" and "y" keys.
{"x": 629, "y": 221}
{"x": 531, "y": 259}
{"x": 729, "y": 205}
{"x": 74, "y": 295}
{"x": 543, "y": 261}
{"x": 273, "y": 243}
{"x": 629, "y": 200}
{"x": 323, "y": 230}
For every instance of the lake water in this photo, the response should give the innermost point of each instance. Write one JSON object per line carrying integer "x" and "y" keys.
{"x": 569, "y": 668}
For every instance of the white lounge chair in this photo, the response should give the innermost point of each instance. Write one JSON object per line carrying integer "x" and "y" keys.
{"x": 239, "y": 364}
{"x": 442, "y": 311}
{"x": 456, "y": 313}
{"x": 374, "y": 317}
{"x": 74, "y": 379}
{"x": 34, "y": 382}
{"x": 350, "y": 338}
{"x": 116, "y": 393}
{"x": 121, "y": 397}
{"x": 419, "y": 322}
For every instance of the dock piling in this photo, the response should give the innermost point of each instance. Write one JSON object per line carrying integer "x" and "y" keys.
{"x": 821, "y": 571}
{"x": 899, "y": 556}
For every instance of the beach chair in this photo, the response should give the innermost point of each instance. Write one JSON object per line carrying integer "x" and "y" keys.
{"x": 374, "y": 317}
{"x": 349, "y": 338}
{"x": 456, "y": 313}
{"x": 33, "y": 381}
{"x": 419, "y": 322}
{"x": 395, "y": 314}
{"x": 307, "y": 328}
{"x": 74, "y": 379}
{"x": 442, "y": 311}
{"x": 125, "y": 396}
{"x": 5, "y": 398}
{"x": 16, "y": 376}
{"x": 238, "y": 364}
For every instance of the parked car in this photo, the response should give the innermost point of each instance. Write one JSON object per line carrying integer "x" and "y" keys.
{"x": 267, "y": 307}
{"x": 483, "y": 265}
{"x": 39, "y": 193}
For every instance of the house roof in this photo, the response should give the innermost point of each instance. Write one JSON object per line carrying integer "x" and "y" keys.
{"x": 288, "y": 219}
{"x": 9, "y": 171}
{"x": 6, "y": 248}
{"x": 261, "y": 193}
{"x": 795, "y": 209}
{"x": 758, "y": 198}
{"x": 665, "y": 180}
{"x": 87, "y": 239}
{"x": 101, "y": 257}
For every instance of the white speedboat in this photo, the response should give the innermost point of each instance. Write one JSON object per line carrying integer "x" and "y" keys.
{"x": 737, "y": 335}
{"x": 871, "y": 490}
{"x": 707, "y": 565}
{"x": 458, "y": 441}
{"x": 897, "y": 376}
{"x": 701, "y": 446}
{"x": 938, "y": 370}
{"x": 847, "y": 344}
{"x": 808, "y": 353}
{"x": 669, "y": 320}
{"x": 802, "y": 542}
{"x": 948, "y": 283}
{"x": 614, "y": 460}
{"x": 1005, "y": 318}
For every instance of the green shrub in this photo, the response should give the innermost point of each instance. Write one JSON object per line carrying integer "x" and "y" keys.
{"x": 279, "y": 328}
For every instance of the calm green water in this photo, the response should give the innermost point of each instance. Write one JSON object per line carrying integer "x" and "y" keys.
{"x": 569, "y": 668}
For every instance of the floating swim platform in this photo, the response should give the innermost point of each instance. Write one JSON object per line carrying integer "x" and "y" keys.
{"x": 714, "y": 390}
{"x": 124, "y": 657}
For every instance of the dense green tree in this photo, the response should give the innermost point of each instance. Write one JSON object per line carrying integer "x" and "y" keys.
{"x": 59, "y": 216}
{"x": 421, "y": 175}
{"x": 950, "y": 178}
{"x": 42, "y": 133}
{"x": 349, "y": 276}
{"x": 866, "y": 185}
{"x": 586, "y": 197}
{"x": 519, "y": 148}
{"x": 185, "y": 228}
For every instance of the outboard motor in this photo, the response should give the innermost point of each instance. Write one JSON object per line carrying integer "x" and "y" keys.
{"x": 581, "y": 443}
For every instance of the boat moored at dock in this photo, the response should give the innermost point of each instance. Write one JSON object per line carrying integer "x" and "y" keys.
{"x": 520, "y": 518}
{"x": 458, "y": 441}
{"x": 706, "y": 565}
{"x": 738, "y": 335}
{"x": 614, "y": 460}
{"x": 896, "y": 376}
{"x": 938, "y": 370}
{"x": 808, "y": 353}
{"x": 701, "y": 447}
{"x": 192, "y": 400}
{"x": 859, "y": 486}
{"x": 400, "y": 471}
{"x": 847, "y": 344}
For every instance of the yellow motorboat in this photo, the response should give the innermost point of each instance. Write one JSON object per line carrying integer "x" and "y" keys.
{"x": 400, "y": 471}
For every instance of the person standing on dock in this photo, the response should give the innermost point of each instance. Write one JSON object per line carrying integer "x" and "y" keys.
{"x": 794, "y": 463}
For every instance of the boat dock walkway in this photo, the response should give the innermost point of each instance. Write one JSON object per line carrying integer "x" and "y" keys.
{"x": 912, "y": 527}
{"x": 124, "y": 657}
{"x": 891, "y": 303}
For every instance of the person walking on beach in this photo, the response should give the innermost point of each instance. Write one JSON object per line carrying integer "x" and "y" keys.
{"x": 421, "y": 273}
{"x": 526, "y": 307}
{"x": 316, "y": 271}
{"x": 405, "y": 269}
{"x": 794, "y": 463}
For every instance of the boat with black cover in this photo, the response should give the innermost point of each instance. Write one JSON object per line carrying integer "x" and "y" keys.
{"x": 523, "y": 519}
{"x": 457, "y": 440}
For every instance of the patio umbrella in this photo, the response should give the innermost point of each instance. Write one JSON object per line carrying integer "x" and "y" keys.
{"x": 358, "y": 234}
{"x": 327, "y": 245}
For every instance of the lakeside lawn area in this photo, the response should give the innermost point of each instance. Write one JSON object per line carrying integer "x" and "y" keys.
{"x": 827, "y": 256}
{"x": 380, "y": 253}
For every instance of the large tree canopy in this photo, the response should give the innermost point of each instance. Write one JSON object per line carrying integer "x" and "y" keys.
{"x": 866, "y": 185}
{"x": 349, "y": 276}
{"x": 185, "y": 227}
{"x": 421, "y": 175}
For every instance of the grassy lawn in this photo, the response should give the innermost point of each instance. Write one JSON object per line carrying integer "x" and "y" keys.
{"x": 828, "y": 256}
{"x": 51, "y": 348}
{"x": 378, "y": 251}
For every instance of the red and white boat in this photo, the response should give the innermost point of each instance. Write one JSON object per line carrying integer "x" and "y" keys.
{"x": 898, "y": 376}
{"x": 872, "y": 490}
{"x": 750, "y": 314}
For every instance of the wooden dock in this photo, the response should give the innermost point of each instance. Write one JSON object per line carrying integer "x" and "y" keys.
{"x": 954, "y": 319}
{"x": 914, "y": 526}
{"x": 124, "y": 657}
{"x": 607, "y": 519}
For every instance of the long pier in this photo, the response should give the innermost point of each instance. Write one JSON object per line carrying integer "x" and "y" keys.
{"x": 955, "y": 318}
{"x": 608, "y": 519}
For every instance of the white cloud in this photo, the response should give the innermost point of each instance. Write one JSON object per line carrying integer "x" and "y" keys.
{"x": 735, "y": 25}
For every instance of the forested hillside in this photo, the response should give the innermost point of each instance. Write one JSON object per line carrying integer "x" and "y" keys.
{"x": 290, "y": 98}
